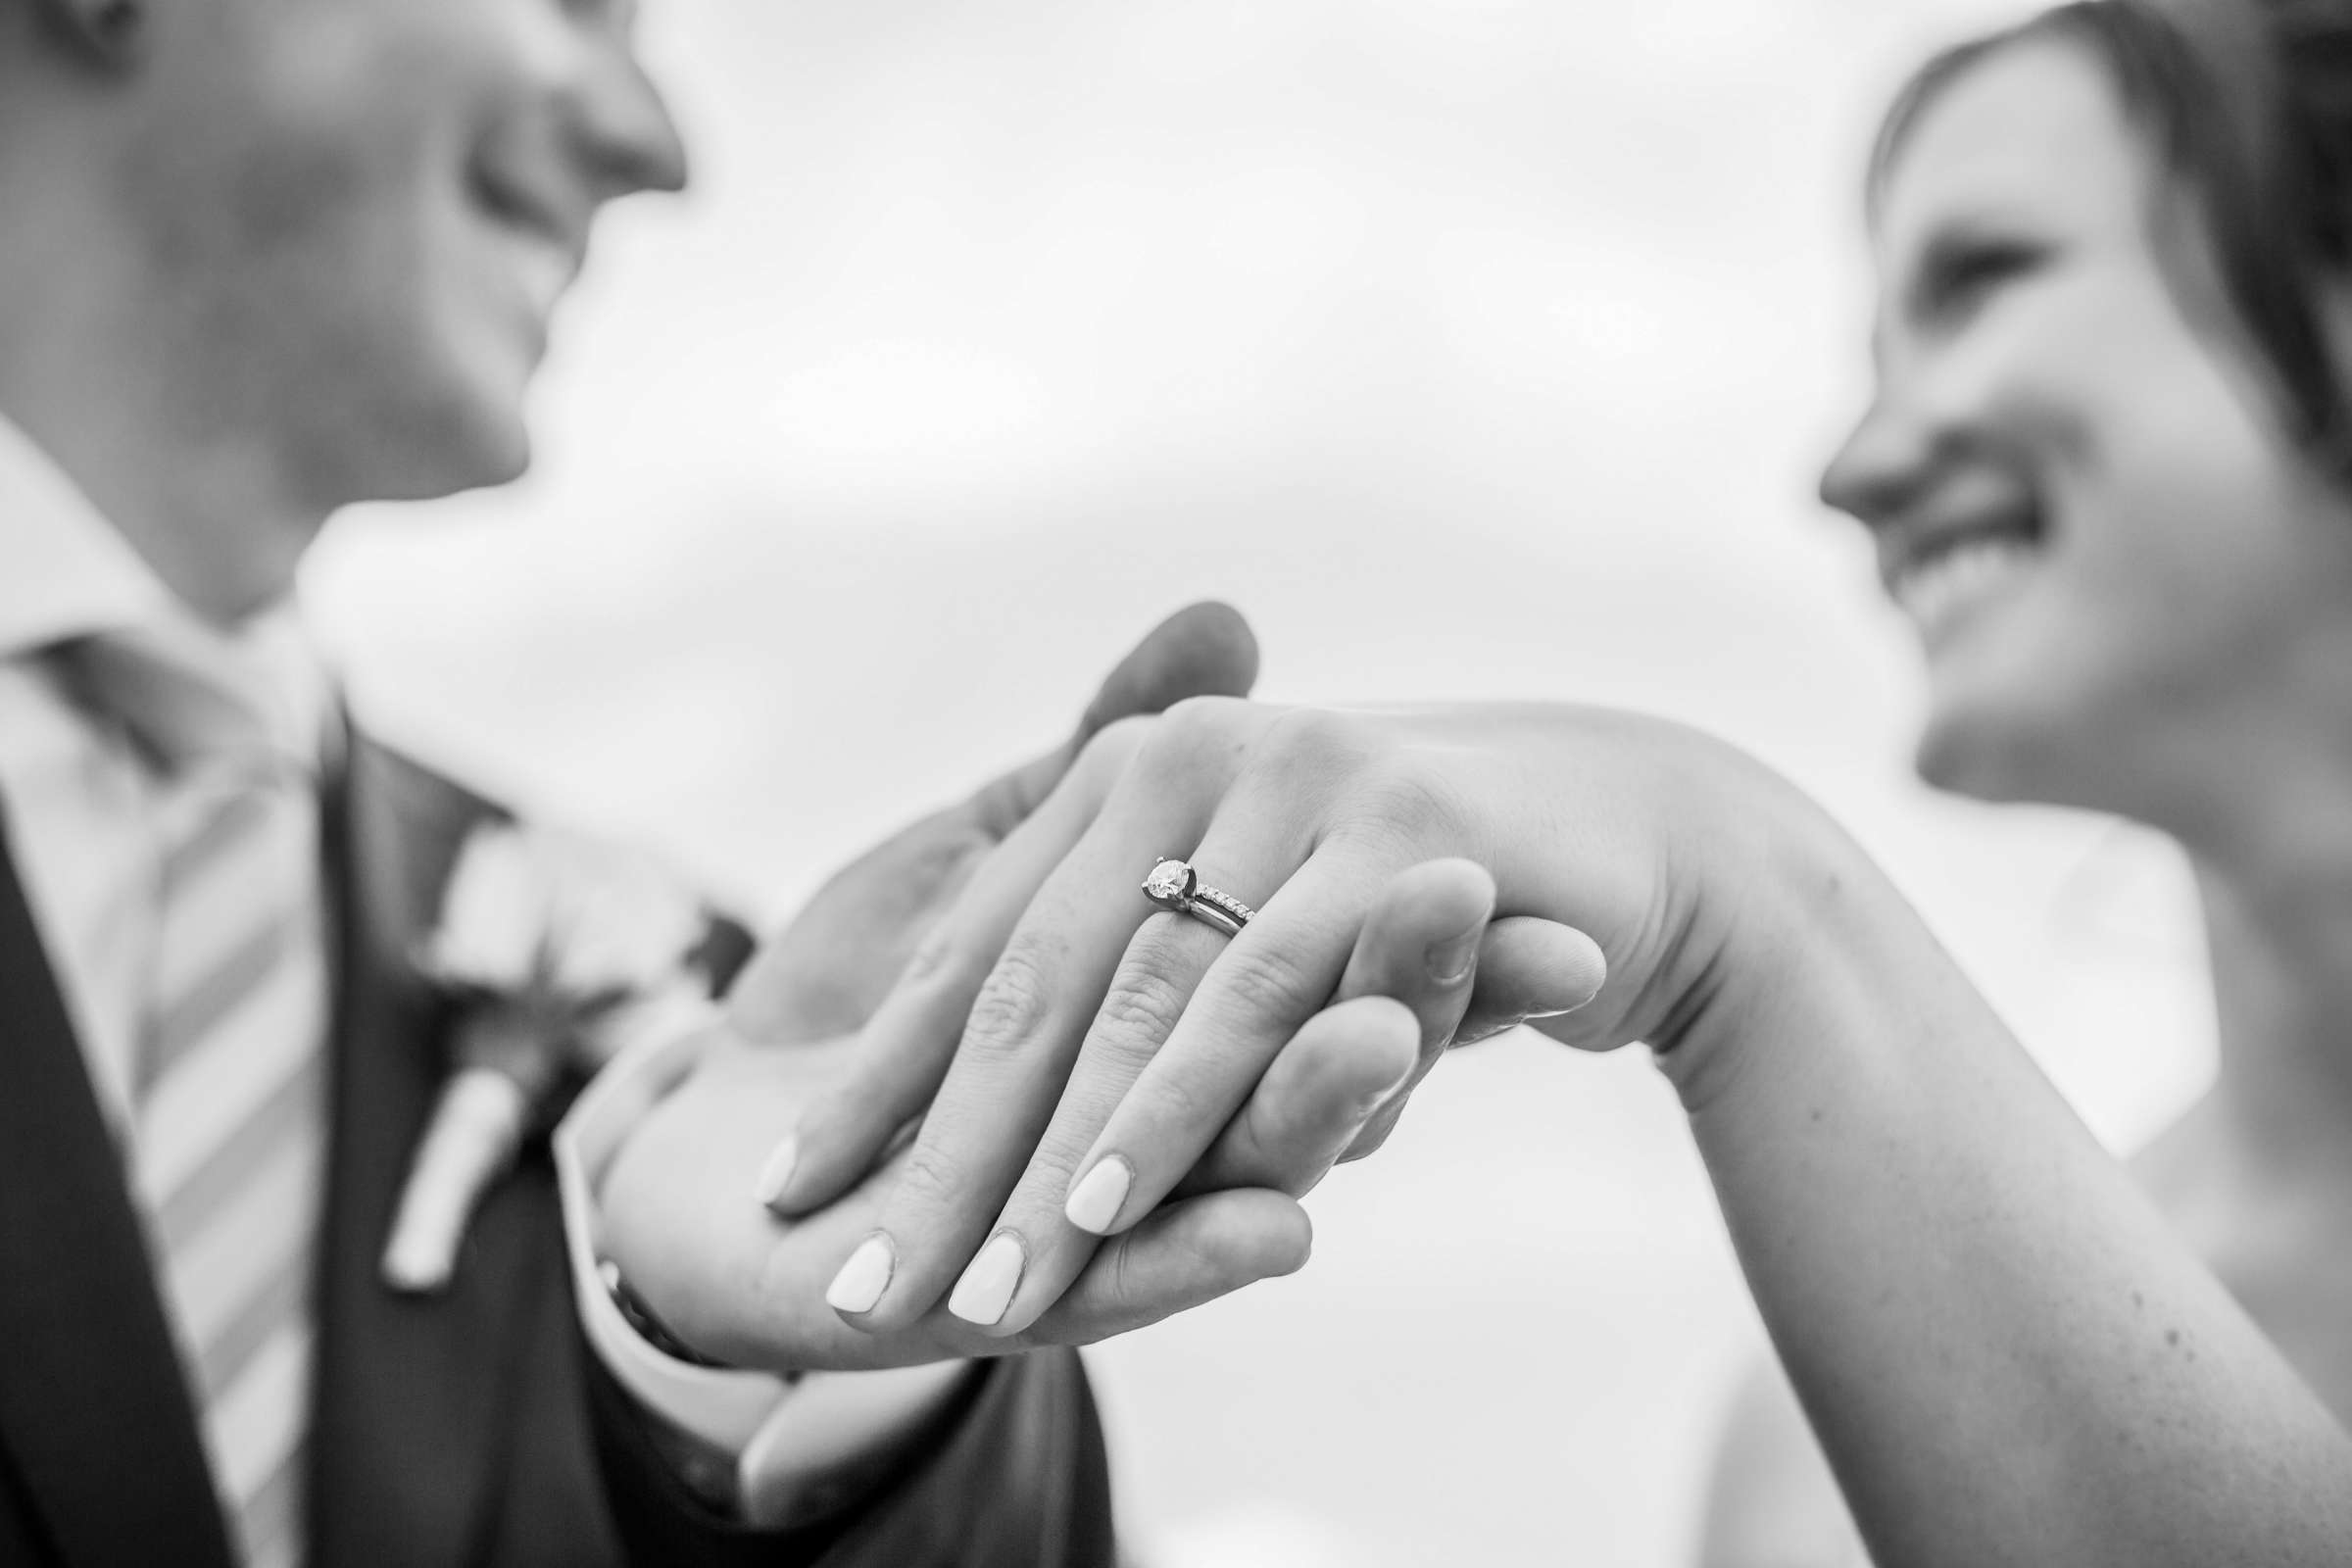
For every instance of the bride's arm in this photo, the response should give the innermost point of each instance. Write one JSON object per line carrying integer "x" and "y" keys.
{"x": 2008, "y": 1356}
{"x": 2006, "y": 1353}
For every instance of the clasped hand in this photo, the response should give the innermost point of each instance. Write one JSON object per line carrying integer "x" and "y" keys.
{"x": 1114, "y": 1108}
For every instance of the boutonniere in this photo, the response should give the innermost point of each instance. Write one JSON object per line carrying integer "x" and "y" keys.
{"x": 555, "y": 950}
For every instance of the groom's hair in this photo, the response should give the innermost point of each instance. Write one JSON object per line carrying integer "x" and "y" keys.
{"x": 2245, "y": 109}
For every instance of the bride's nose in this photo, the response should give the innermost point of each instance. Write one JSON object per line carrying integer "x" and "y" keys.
{"x": 1883, "y": 465}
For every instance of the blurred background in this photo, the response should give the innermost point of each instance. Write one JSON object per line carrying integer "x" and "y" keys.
{"x": 1473, "y": 348}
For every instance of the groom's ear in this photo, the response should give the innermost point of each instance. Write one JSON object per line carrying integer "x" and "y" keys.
{"x": 1204, "y": 650}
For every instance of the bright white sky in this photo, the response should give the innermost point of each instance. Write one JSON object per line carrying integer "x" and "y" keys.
{"x": 1475, "y": 348}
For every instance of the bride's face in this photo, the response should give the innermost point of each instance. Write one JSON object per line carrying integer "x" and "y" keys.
{"x": 2082, "y": 496}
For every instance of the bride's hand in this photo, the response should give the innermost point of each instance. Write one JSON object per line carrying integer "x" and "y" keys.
{"x": 1094, "y": 1050}
{"x": 679, "y": 1219}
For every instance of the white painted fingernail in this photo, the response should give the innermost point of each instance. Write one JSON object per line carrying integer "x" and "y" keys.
{"x": 776, "y": 1172}
{"x": 1093, "y": 1204}
{"x": 986, "y": 1289}
{"x": 864, "y": 1278}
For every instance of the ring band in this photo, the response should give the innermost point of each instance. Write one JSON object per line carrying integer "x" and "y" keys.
{"x": 1175, "y": 885}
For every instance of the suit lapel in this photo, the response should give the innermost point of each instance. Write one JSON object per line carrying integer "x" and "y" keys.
{"x": 411, "y": 1431}
{"x": 417, "y": 1401}
{"x": 94, "y": 1412}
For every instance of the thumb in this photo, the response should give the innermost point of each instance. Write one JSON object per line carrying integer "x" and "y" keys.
{"x": 1204, "y": 650}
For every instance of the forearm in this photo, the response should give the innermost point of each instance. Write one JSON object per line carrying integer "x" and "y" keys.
{"x": 2007, "y": 1354}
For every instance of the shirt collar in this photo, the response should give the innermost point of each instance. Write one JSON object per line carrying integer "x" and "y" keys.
{"x": 69, "y": 572}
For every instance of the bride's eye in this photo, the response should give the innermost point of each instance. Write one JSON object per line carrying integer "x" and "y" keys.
{"x": 1960, "y": 275}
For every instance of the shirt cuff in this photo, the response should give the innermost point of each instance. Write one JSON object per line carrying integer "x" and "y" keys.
{"x": 792, "y": 1441}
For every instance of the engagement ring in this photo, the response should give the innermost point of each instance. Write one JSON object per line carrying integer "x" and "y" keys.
{"x": 1174, "y": 885}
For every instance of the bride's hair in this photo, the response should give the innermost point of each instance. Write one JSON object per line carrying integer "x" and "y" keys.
{"x": 2246, "y": 106}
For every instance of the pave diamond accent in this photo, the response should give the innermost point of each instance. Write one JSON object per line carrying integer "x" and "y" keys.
{"x": 1170, "y": 884}
{"x": 1232, "y": 909}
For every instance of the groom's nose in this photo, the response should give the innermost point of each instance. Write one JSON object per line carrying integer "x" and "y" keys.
{"x": 621, "y": 128}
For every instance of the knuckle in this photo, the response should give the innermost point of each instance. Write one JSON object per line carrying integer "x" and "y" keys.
{"x": 931, "y": 1178}
{"x": 1403, "y": 807}
{"x": 1313, "y": 739}
{"x": 1139, "y": 1014}
{"x": 1262, "y": 982}
{"x": 1045, "y": 1182}
{"x": 1121, "y": 1286}
{"x": 1011, "y": 1007}
{"x": 1180, "y": 1100}
{"x": 1194, "y": 738}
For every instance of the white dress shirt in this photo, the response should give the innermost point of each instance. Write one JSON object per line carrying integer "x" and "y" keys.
{"x": 81, "y": 813}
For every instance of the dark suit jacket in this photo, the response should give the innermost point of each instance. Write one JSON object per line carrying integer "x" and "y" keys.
{"x": 472, "y": 1427}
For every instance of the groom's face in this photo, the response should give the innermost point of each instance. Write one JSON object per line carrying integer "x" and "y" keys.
{"x": 357, "y": 216}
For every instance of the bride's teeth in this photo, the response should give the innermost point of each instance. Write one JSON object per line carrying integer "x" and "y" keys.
{"x": 1934, "y": 592}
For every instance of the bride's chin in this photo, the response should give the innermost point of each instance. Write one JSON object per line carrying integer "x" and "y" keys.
{"x": 2005, "y": 757}
{"x": 1987, "y": 756}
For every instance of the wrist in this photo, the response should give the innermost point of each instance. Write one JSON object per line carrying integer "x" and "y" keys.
{"x": 1790, "y": 924}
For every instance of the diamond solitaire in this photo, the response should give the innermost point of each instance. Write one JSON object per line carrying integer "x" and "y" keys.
{"x": 1171, "y": 885}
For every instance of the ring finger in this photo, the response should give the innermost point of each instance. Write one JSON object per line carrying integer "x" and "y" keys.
{"x": 1024, "y": 1029}
{"x": 1035, "y": 1251}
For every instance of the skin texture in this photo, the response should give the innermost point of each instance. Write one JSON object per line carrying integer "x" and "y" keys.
{"x": 2173, "y": 650}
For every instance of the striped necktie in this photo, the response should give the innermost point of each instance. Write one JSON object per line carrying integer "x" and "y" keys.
{"x": 228, "y": 1151}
